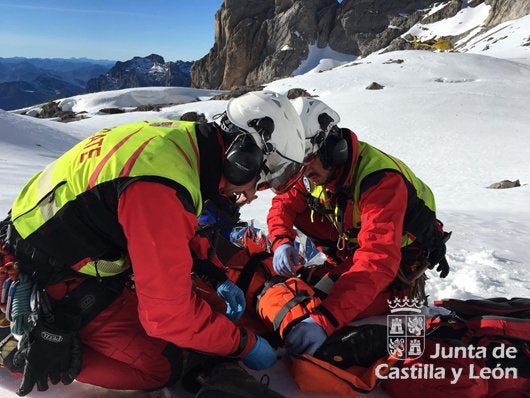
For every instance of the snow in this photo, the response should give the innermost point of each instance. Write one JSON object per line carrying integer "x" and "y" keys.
{"x": 466, "y": 19}
{"x": 435, "y": 9}
{"x": 321, "y": 59}
{"x": 132, "y": 98}
{"x": 461, "y": 121}
{"x": 508, "y": 40}
{"x": 157, "y": 69}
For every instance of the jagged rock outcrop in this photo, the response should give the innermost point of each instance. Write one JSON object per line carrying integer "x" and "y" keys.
{"x": 506, "y": 10}
{"x": 257, "y": 41}
{"x": 362, "y": 27}
{"x": 505, "y": 184}
{"x": 142, "y": 72}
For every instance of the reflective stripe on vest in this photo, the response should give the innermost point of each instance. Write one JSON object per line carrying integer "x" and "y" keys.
{"x": 165, "y": 149}
{"x": 371, "y": 161}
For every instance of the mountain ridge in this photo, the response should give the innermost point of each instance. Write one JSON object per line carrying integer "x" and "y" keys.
{"x": 258, "y": 41}
{"x": 148, "y": 71}
{"x": 28, "y": 81}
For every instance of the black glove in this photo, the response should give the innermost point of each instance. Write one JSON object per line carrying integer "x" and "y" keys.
{"x": 443, "y": 268}
{"x": 437, "y": 256}
{"x": 209, "y": 272}
{"x": 48, "y": 351}
{"x": 226, "y": 209}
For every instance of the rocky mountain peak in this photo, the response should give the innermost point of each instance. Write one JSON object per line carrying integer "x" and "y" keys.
{"x": 148, "y": 71}
{"x": 257, "y": 41}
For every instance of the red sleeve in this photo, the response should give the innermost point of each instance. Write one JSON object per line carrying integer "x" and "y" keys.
{"x": 158, "y": 231}
{"x": 376, "y": 261}
{"x": 283, "y": 211}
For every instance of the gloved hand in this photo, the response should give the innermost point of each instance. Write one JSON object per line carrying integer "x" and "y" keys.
{"x": 262, "y": 356}
{"x": 305, "y": 338}
{"x": 284, "y": 260}
{"x": 443, "y": 268}
{"x": 47, "y": 351}
{"x": 235, "y": 299}
{"x": 437, "y": 255}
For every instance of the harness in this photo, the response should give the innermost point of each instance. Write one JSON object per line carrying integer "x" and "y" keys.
{"x": 423, "y": 235}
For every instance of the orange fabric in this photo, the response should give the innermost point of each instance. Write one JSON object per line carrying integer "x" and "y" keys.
{"x": 277, "y": 296}
{"x": 314, "y": 375}
{"x": 264, "y": 270}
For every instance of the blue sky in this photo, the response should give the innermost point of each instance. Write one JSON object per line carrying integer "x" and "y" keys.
{"x": 107, "y": 29}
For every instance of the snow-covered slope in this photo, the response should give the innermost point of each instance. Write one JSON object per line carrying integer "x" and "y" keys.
{"x": 461, "y": 121}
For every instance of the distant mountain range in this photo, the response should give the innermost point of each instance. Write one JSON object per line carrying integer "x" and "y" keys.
{"x": 29, "y": 81}
{"x": 150, "y": 71}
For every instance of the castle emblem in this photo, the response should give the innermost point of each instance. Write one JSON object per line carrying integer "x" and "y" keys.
{"x": 406, "y": 328}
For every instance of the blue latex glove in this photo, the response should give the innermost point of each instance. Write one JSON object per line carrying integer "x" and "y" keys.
{"x": 284, "y": 260}
{"x": 305, "y": 338}
{"x": 262, "y": 356}
{"x": 235, "y": 299}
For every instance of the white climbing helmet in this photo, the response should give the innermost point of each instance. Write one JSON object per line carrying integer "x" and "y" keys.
{"x": 271, "y": 120}
{"x": 318, "y": 119}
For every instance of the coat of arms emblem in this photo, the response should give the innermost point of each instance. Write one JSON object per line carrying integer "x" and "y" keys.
{"x": 406, "y": 328}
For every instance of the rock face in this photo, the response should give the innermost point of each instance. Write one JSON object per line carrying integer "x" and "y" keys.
{"x": 362, "y": 27}
{"x": 506, "y": 10}
{"x": 142, "y": 72}
{"x": 505, "y": 184}
{"x": 257, "y": 41}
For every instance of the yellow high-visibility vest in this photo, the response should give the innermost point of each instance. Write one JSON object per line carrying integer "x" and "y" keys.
{"x": 164, "y": 151}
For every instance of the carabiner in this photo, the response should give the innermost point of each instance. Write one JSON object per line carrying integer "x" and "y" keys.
{"x": 341, "y": 242}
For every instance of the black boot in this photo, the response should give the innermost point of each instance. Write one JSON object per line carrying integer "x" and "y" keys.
{"x": 197, "y": 368}
{"x": 229, "y": 380}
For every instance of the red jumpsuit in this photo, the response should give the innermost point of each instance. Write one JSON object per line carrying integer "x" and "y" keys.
{"x": 123, "y": 345}
{"x": 363, "y": 285}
